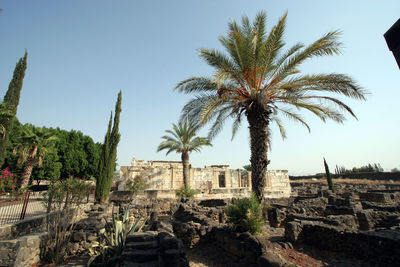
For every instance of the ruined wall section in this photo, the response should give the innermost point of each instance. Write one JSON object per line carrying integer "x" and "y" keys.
{"x": 210, "y": 180}
{"x": 278, "y": 184}
{"x": 203, "y": 179}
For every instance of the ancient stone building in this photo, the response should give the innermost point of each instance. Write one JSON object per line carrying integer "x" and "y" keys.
{"x": 215, "y": 181}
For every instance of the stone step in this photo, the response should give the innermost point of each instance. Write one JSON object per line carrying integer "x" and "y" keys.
{"x": 140, "y": 264}
{"x": 164, "y": 217}
{"x": 134, "y": 255}
{"x": 142, "y": 237}
{"x": 142, "y": 245}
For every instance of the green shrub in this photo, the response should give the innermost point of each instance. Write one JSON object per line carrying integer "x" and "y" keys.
{"x": 185, "y": 191}
{"x": 64, "y": 198}
{"x": 137, "y": 184}
{"x": 245, "y": 214}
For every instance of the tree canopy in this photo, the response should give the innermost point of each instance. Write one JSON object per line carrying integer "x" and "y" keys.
{"x": 73, "y": 154}
{"x": 258, "y": 79}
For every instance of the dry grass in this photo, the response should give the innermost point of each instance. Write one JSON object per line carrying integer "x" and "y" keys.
{"x": 345, "y": 181}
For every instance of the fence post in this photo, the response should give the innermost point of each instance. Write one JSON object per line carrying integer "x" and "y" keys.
{"x": 25, "y": 205}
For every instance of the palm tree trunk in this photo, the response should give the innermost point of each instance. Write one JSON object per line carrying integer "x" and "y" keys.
{"x": 185, "y": 163}
{"x": 258, "y": 118}
{"x": 29, "y": 167}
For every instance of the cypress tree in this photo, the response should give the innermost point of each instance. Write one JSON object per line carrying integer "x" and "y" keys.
{"x": 328, "y": 177}
{"x": 10, "y": 104}
{"x": 108, "y": 157}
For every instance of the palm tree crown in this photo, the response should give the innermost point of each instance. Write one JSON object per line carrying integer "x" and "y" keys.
{"x": 33, "y": 145}
{"x": 182, "y": 140}
{"x": 260, "y": 81}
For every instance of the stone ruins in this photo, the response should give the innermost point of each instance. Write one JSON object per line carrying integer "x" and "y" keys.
{"x": 215, "y": 181}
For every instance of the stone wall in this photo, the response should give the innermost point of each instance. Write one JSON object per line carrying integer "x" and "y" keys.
{"x": 395, "y": 176}
{"x": 381, "y": 248}
{"x": 278, "y": 184}
{"x": 23, "y": 242}
{"x": 215, "y": 181}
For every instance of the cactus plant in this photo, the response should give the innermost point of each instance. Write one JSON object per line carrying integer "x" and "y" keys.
{"x": 113, "y": 237}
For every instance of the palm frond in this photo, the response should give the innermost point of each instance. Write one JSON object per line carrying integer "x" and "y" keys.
{"x": 254, "y": 71}
{"x": 280, "y": 126}
{"x": 236, "y": 125}
{"x": 196, "y": 84}
{"x": 209, "y": 108}
{"x": 327, "y": 45}
{"x": 293, "y": 116}
{"x": 182, "y": 138}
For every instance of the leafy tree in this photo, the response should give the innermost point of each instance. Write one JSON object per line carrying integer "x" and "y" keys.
{"x": 11, "y": 159}
{"x": 136, "y": 184}
{"x": 79, "y": 155}
{"x": 108, "y": 157}
{"x": 257, "y": 80}
{"x": 33, "y": 145}
{"x": 65, "y": 159}
{"x": 69, "y": 152}
{"x": 8, "y": 108}
{"x": 247, "y": 167}
{"x": 376, "y": 167}
{"x": 182, "y": 140}
{"x": 50, "y": 168}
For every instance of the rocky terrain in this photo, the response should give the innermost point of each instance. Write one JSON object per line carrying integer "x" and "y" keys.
{"x": 358, "y": 225}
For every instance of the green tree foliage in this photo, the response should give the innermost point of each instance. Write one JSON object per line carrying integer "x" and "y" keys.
{"x": 328, "y": 177}
{"x": 33, "y": 145}
{"x": 79, "y": 155}
{"x": 247, "y": 168}
{"x": 375, "y": 167}
{"x": 259, "y": 80}
{"x": 185, "y": 191}
{"x": 60, "y": 159}
{"x": 182, "y": 139}
{"x": 136, "y": 184}
{"x": 9, "y": 106}
{"x": 245, "y": 214}
{"x": 50, "y": 168}
{"x": 108, "y": 157}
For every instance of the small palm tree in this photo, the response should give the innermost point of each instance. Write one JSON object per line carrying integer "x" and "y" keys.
{"x": 259, "y": 81}
{"x": 182, "y": 140}
{"x": 34, "y": 143}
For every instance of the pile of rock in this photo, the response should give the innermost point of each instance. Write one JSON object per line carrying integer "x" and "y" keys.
{"x": 362, "y": 223}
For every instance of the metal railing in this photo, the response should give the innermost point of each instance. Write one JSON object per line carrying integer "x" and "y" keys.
{"x": 16, "y": 208}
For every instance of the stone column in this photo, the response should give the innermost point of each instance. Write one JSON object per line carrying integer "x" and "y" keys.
{"x": 268, "y": 183}
{"x": 228, "y": 179}
{"x": 191, "y": 181}
{"x": 249, "y": 179}
{"x": 172, "y": 177}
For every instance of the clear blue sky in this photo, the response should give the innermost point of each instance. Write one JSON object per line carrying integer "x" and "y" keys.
{"x": 81, "y": 53}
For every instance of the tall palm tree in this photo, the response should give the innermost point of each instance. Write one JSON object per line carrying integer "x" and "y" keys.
{"x": 258, "y": 80}
{"x": 33, "y": 145}
{"x": 182, "y": 140}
